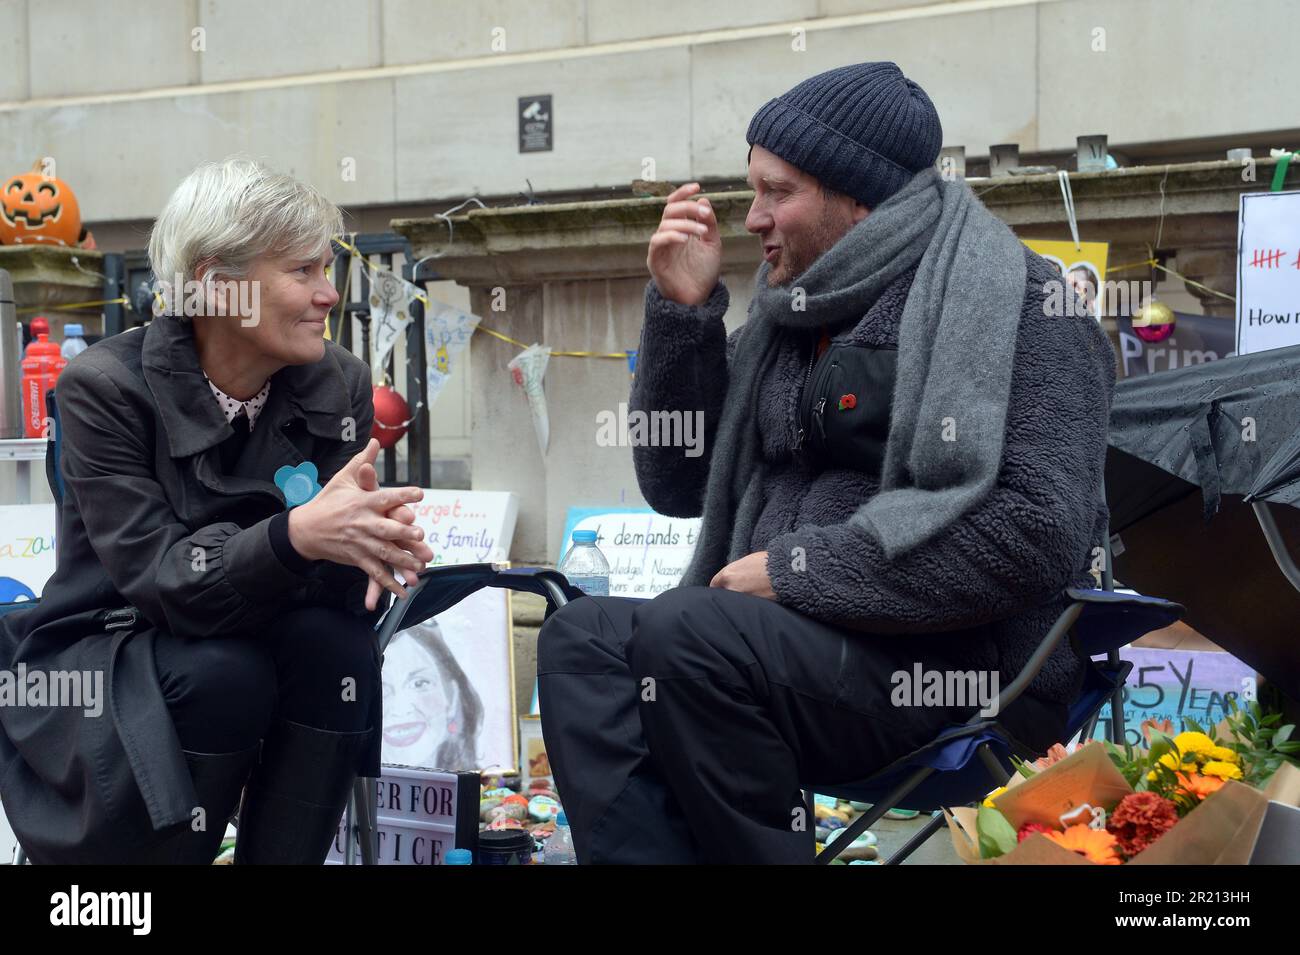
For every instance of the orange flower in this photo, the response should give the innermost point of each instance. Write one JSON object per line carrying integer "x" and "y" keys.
{"x": 1095, "y": 845}
{"x": 1198, "y": 785}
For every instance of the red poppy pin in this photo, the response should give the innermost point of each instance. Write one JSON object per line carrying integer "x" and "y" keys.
{"x": 848, "y": 401}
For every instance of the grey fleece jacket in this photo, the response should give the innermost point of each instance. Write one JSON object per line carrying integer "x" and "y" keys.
{"x": 993, "y": 583}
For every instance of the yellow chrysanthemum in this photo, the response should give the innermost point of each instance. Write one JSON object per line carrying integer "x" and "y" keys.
{"x": 1224, "y": 754}
{"x": 988, "y": 800}
{"x": 1193, "y": 743}
{"x": 1170, "y": 761}
{"x": 1221, "y": 769}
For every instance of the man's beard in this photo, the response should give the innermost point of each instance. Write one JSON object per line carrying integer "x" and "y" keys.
{"x": 798, "y": 257}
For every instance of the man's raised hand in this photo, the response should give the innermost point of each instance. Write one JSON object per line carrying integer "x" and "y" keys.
{"x": 685, "y": 257}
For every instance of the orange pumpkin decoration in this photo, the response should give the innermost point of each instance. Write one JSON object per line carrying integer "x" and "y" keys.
{"x": 38, "y": 209}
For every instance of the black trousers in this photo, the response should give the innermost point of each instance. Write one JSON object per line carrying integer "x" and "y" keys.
{"x": 318, "y": 666}
{"x": 682, "y": 729}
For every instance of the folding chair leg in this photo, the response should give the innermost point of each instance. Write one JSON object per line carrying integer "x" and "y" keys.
{"x": 1090, "y": 727}
{"x": 810, "y": 802}
{"x": 1117, "y": 717}
{"x": 363, "y": 812}
{"x": 917, "y": 840}
{"x": 995, "y": 768}
{"x": 872, "y": 815}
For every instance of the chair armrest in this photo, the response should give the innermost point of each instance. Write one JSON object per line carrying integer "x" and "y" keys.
{"x": 1103, "y": 620}
{"x": 1111, "y": 619}
{"x": 446, "y": 585}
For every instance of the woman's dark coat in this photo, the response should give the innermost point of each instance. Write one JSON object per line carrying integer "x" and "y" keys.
{"x": 149, "y": 522}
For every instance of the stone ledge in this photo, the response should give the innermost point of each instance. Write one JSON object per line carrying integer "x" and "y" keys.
{"x": 45, "y": 275}
{"x": 607, "y": 238}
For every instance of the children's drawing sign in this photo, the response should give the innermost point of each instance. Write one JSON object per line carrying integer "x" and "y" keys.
{"x": 1268, "y": 271}
{"x": 26, "y": 550}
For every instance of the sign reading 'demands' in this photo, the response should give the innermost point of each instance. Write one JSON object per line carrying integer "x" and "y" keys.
{"x": 647, "y": 552}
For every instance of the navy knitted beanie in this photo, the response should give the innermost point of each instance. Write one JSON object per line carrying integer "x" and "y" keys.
{"x": 863, "y": 130}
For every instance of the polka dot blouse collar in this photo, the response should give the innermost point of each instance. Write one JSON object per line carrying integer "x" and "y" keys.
{"x": 231, "y": 406}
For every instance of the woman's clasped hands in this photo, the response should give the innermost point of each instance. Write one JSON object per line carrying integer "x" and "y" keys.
{"x": 354, "y": 521}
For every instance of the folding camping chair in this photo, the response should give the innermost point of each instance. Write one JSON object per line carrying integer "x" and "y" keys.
{"x": 945, "y": 772}
{"x": 942, "y": 773}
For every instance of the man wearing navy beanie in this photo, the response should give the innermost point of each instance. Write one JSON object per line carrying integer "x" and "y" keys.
{"x": 901, "y": 474}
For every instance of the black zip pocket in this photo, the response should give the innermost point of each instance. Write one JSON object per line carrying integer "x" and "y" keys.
{"x": 844, "y": 411}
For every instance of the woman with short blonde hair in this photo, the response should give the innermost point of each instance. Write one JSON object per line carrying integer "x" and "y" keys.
{"x": 223, "y": 547}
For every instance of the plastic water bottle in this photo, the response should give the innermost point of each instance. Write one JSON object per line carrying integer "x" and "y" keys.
{"x": 559, "y": 847}
{"x": 73, "y": 343}
{"x": 585, "y": 566}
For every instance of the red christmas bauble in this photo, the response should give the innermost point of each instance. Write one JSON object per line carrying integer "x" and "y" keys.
{"x": 392, "y": 416}
{"x": 1154, "y": 322}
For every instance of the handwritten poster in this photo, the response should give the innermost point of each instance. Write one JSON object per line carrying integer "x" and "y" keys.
{"x": 26, "y": 563}
{"x": 467, "y": 527}
{"x": 647, "y": 552}
{"x": 1173, "y": 684}
{"x": 26, "y": 550}
{"x": 1268, "y": 271}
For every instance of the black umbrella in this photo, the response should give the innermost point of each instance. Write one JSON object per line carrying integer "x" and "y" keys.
{"x": 1203, "y": 483}
{"x": 1279, "y": 479}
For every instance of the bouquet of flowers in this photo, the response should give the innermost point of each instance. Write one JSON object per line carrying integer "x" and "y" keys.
{"x": 1196, "y": 797}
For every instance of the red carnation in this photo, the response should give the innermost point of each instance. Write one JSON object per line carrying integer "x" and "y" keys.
{"x": 1140, "y": 819}
{"x": 1029, "y": 828}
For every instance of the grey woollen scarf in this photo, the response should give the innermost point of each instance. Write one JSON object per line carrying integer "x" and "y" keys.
{"x": 956, "y": 347}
